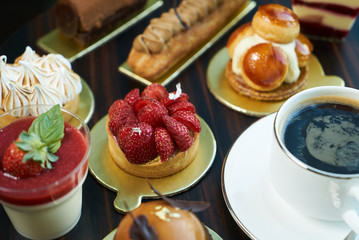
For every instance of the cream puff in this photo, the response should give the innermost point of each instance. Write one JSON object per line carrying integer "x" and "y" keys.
{"x": 268, "y": 57}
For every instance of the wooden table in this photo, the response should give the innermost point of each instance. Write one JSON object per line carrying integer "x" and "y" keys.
{"x": 99, "y": 68}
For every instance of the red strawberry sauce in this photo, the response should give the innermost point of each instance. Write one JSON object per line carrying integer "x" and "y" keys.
{"x": 51, "y": 184}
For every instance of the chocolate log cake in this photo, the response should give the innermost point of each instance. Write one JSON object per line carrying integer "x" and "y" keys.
{"x": 85, "y": 20}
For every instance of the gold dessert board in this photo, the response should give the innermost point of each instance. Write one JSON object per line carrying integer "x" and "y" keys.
{"x": 131, "y": 189}
{"x": 223, "y": 92}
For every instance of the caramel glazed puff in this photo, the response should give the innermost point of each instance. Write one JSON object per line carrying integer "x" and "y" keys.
{"x": 268, "y": 52}
{"x": 167, "y": 222}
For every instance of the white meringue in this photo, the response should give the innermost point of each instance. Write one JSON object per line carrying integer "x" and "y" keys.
{"x": 32, "y": 79}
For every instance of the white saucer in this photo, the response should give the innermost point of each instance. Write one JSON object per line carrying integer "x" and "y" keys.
{"x": 251, "y": 199}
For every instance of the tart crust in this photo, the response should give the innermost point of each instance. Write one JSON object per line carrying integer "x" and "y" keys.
{"x": 284, "y": 91}
{"x": 154, "y": 168}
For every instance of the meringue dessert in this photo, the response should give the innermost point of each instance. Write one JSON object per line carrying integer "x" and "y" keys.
{"x": 153, "y": 134}
{"x": 32, "y": 79}
{"x": 268, "y": 57}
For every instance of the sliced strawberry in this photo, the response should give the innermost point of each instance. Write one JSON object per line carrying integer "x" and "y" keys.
{"x": 181, "y": 106}
{"x": 117, "y": 106}
{"x": 152, "y": 114}
{"x": 12, "y": 163}
{"x": 164, "y": 143}
{"x": 167, "y": 101}
{"x": 141, "y": 102}
{"x": 155, "y": 91}
{"x": 123, "y": 115}
{"x": 132, "y": 96}
{"x": 137, "y": 142}
{"x": 189, "y": 119}
{"x": 179, "y": 132}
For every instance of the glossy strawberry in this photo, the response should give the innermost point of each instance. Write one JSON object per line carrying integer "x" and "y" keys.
{"x": 117, "y": 106}
{"x": 181, "y": 106}
{"x": 141, "y": 102}
{"x": 179, "y": 132}
{"x": 137, "y": 142}
{"x": 13, "y": 163}
{"x": 132, "y": 96}
{"x": 167, "y": 101}
{"x": 121, "y": 115}
{"x": 155, "y": 91}
{"x": 164, "y": 143}
{"x": 152, "y": 114}
{"x": 189, "y": 119}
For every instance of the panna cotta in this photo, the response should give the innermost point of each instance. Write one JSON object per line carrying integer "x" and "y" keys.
{"x": 54, "y": 196}
{"x": 326, "y": 18}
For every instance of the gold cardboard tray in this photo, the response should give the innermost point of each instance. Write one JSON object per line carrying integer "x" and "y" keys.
{"x": 131, "y": 189}
{"x": 54, "y": 42}
{"x": 183, "y": 64}
{"x": 213, "y": 234}
{"x": 87, "y": 103}
{"x": 222, "y": 91}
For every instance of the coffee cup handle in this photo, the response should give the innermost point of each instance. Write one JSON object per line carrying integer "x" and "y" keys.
{"x": 351, "y": 216}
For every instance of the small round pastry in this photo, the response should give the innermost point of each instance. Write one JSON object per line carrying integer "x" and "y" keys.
{"x": 282, "y": 92}
{"x": 276, "y": 23}
{"x": 238, "y": 35}
{"x": 303, "y": 49}
{"x": 153, "y": 134}
{"x": 165, "y": 221}
{"x": 264, "y": 67}
{"x": 154, "y": 168}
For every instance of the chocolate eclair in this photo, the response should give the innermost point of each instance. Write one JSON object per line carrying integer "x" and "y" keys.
{"x": 178, "y": 32}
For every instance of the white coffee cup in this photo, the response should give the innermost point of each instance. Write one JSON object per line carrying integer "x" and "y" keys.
{"x": 314, "y": 192}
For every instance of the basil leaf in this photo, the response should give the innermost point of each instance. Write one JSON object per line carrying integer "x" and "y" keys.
{"x": 49, "y": 127}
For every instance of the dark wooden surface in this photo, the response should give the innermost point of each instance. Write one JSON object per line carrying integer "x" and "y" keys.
{"x": 99, "y": 69}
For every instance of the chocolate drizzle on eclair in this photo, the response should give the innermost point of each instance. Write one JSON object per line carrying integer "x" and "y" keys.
{"x": 161, "y": 30}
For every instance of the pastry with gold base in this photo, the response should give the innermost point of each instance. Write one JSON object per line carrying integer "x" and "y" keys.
{"x": 153, "y": 134}
{"x": 268, "y": 57}
{"x": 177, "y": 33}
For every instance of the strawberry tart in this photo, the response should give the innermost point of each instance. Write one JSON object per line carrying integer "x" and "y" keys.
{"x": 153, "y": 134}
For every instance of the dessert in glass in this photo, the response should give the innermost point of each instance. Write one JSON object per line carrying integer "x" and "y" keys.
{"x": 326, "y": 19}
{"x": 42, "y": 192}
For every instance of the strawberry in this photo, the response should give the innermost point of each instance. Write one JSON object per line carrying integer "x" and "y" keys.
{"x": 179, "y": 132}
{"x": 132, "y": 96}
{"x": 35, "y": 149}
{"x": 141, "y": 102}
{"x": 13, "y": 163}
{"x": 181, "y": 106}
{"x": 164, "y": 143}
{"x": 167, "y": 101}
{"x": 152, "y": 114}
{"x": 122, "y": 114}
{"x": 189, "y": 119}
{"x": 137, "y": 142}
{"x": 155, "y": 91}
{"x": 118, "y": 104}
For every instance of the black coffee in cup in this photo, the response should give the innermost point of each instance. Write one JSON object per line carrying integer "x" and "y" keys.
{"x": 325, "y": 135}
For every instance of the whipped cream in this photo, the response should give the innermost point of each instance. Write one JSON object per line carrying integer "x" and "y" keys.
{"x": 32, "y": 79}
{"x": 250, "y": 41}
